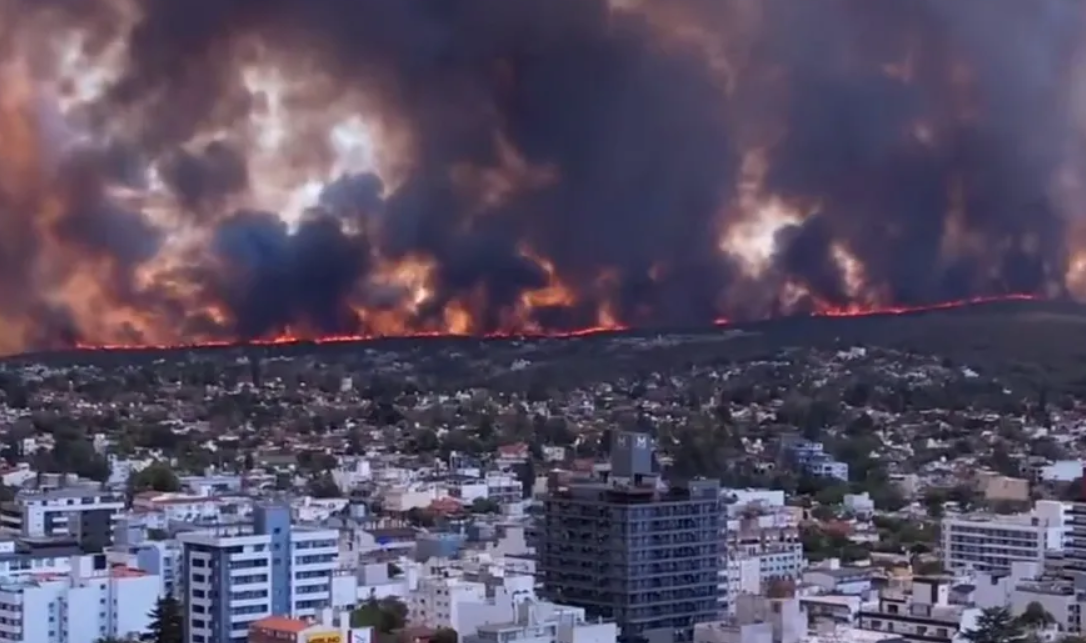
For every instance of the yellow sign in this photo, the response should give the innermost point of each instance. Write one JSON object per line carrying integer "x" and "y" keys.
{"x": 324, "y": 637}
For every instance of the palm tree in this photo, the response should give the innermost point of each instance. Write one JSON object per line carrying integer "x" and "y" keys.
{"x": 996, "y": 625}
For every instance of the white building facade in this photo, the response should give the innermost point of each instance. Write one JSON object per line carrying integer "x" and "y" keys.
{"x": 993, "y": 543}
{"x": 48, "y": 514}
{"x": 231, "y": 579}
{"x": 75, "y": 608}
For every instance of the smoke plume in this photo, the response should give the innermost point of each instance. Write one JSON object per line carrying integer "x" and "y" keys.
{"x": 206, "y": 170}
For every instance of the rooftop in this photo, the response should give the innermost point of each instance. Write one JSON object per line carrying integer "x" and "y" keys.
{"x": 283, "y": 624}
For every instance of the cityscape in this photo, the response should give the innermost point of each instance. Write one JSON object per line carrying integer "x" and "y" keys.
{"x": 482, "y": 491}
{"x": 542, "y": 321}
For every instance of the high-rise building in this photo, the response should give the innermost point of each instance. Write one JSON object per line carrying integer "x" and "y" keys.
{"x": 232, "y": 577}
{"x": 85, "y": 512}
{"x": 626, "y": 545}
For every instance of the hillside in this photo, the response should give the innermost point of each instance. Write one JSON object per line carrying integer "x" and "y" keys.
{"x": 1029, "y": 344}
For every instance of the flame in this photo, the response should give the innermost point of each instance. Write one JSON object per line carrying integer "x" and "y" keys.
{"x": 301, "y": 128}
{"x": 607, "y": 327}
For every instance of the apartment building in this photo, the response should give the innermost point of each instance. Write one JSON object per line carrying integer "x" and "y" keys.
{"x": 503, "y": 487}
{"x": 38, "y": 556}
{"x": 922, "y": 615}
{"x": 162, "y": 558}
{"x": 627, "y": 545}
{"x": 463, "y": 604}
{"x": 812, "y": 458}
{"x": 86, "y": 512}
{"x": 82, "y": 606}
{"x": 1074, "y": 556}
{"x": 159, "y": 509}
{"x": 546, "y": 623}
{"x": 233, "y": 576}
{"x": 992, "y": 542}
{"x": 770, "y": 538}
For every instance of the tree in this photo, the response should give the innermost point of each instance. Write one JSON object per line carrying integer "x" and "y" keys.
{"x": 1035, "y": 617}
{"x": 324, "y": 486}
{"x": 933, "y": 502}
{"x": 965, "y": 495}
{"x": 445, "y": 635}
{"x": 996, "y": 625}
{"x": 157, "y": 476}
{"x": 167, "y": 622}
{"x": 833, "y": 494}
{"x": 485, "y": 506}
{"x": 422, "y": 441}
{"x": 385, "y": 615}
{"x": 283, "y": 481}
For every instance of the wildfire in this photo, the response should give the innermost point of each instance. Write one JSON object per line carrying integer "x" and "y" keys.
{"x": 326, "y": 172}
{"x": 605, "y": 329}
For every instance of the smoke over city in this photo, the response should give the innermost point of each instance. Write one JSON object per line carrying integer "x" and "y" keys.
{"x": 177, "y": 171}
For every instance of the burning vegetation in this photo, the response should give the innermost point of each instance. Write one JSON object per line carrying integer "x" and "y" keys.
{"x": 190, "y": 171}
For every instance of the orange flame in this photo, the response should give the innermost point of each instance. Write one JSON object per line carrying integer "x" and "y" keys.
{"x": 287, "y": 339}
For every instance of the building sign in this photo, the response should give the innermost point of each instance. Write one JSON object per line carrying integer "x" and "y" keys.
{"x": 324, "y": 637}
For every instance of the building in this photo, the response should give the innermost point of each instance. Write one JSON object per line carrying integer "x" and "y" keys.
{"x": 777, "y": 617}
{"x": 232, "y": 576}
{"x": 922, "y": 615}
{"x": 997, "y": 488}
{"x": 812, "y": 459}
{"x": 992, "y": 542}
{"x": 83, "y": 606}
{"x": 546, "y": 623}
{"x": 160, "y": 557}
{"x": 41, "y": 555}
{"x": 451, "y": 599}
{"x": 87, "y": 512}
{"x": 1074, "y": 555}
{"x": 282, "y": 629}
{"x": 1060, "y": 471}
{"x": 503, "y": 487}
{"x": 762, "y": 545}
{"x": 625, "y": 545}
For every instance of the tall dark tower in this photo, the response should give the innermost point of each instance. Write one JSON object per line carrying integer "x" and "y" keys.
{"x": 626, "y": 545}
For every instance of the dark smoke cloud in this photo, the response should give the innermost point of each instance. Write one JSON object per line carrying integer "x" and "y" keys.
{"x": 203, "y": 180}
{"x": 924, "y": 136}
{"x": 275, "y": 279}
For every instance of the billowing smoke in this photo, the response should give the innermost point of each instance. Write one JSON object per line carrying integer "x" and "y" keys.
{"x": 190, "y": 170}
